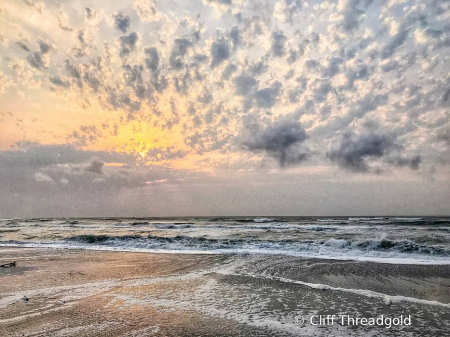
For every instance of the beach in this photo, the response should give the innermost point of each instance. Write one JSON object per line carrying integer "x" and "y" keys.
{"x": 73, "y": 292}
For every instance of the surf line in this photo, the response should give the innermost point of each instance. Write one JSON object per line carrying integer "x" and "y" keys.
{"x": 388, "y": 299}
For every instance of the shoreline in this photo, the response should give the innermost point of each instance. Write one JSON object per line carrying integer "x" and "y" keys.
{"x": 83, "y": 292}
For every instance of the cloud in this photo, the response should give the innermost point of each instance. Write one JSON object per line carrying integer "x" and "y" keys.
{"x": 179, "y": 50}
{"x": 220, "y": 51}
{"x": 59, "y": 82}
{"x": 38, "y": 5}
{"x": 37, "y": 60}
{"x": 394, "y": 44}
{"x": 267, "y": 97}
{"x": 235, "y": 36}
{"x": 128, "y": 44}
{"x": 91, "y": 14}
{"x": 5, "y": 83}
{"x": 244, "y": 84}
{"x": 354, "y": 151}
{"x": 152, "y": 58}
{"x": 23, "y": 46}
{"x": 228, "y": 71}
{"x": 121, "y": 21}
{"x": 278, "y": 42}
{"x": 351, "y": 13}
{"x": 287, "y": 10}
{"x": 282, "y": 140}
{"x": 146, "y": 9}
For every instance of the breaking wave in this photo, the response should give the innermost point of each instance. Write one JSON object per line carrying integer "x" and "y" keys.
{"x": 379, "y": 250}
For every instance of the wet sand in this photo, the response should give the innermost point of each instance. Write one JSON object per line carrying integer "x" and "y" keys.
{"x": 92, "y": 293}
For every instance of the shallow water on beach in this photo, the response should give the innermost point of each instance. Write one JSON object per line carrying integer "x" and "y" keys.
{"x": 90, "y": 293}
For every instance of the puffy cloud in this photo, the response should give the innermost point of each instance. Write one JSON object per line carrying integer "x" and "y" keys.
{"x": 351, "y": 12}
{"x": 266, "y": 98}
{"x": 287, "y": 10}
{"x": 59, "y": 82}
{"x": 244, "y": 84}
{"x": 152, "y": 58}
{"x": 220, "y": 51}
{"x": 179, "y": 50}
{"x": 354, "y": 151}
{"x": 146, "y": 9}
{"x": 5, "y": 83}
{"x": 228, "y": 71}
{"x": 128, "y": 44}
{"x": 38, "y": 59}
{"x": 278, "y": 42}
{"x": 121, "y": 21}
{"x": 282, "y": 140}
{"x": 91, "y": 14}
{"x": 235, "y": 36}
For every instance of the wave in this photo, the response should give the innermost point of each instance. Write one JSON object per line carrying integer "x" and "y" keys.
{"x": 402, "y": 246}
{"x": 334, "y": 248}
{"x": 384, "y": 251}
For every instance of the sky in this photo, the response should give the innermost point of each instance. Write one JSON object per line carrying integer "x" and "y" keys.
{"x": 224, "y": 107}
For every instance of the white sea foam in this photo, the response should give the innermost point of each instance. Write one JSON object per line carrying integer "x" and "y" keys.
{"x": 353, "y": 255}
{"x": 388, "y": 299}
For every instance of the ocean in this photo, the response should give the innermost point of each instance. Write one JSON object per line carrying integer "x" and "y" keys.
{"x": 396, "y": 240}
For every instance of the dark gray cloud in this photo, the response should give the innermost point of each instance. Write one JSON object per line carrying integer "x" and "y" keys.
{"x": 332, "y": 69}
{"x": 121, "y": 21}
{"x": 266, "y": 98}
{"x": 290, "y": 9}
{"x": 228, "y": 71}
{"x": 128, "y": 43}
{"x": 353, "y": 152}
{"x": 74, "y": 72}
{"x": 90, "y": 13}
{"x": 352, "y": 13}
{"x": 23, "y": 46}
{"x": 134, "y": 79}
{"x": 220, "y": 51}
{"x": 179, "y": 50}
{"x": 44, "y": 46}
{"x": 56, "y": 80}
{"x": 244, "y": 84}
{"x": 278, "y": 42}
{"x": 258, "y": 68}
{"x": 282, "y": 140}
{"x": 36, "y": 60}
{"x": 152, "y": 58}
{"x": 235, "y": 36}
{"x": 33, "y": 156}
